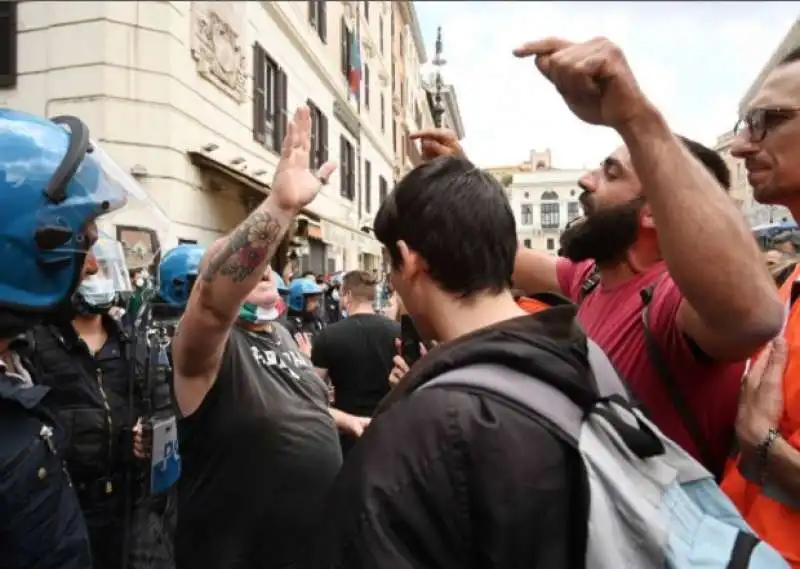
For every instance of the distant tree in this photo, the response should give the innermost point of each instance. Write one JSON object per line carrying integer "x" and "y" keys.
{"x": 507, "y": 180}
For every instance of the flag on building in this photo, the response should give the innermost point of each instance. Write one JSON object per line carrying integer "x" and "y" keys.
{"x": 354, "y": 75}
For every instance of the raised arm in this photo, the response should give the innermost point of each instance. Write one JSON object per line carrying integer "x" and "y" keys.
{"x": 235, "y": 264}
{"x": 730, "y": 306}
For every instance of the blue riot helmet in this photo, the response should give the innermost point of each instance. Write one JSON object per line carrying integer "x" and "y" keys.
{"x": 280, "y": 284}
{"x": 177, "y": 273}
{"x": 58, "y": 189}
{"x": 299, "y": 290}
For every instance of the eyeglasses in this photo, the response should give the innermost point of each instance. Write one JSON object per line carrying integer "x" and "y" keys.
{"x": 758, "y": 122}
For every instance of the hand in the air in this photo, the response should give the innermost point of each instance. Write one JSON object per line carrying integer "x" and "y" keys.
{"x": 295, "y": 185}
{"x": 435, "y": 142}
{"x": 593, "y": 77}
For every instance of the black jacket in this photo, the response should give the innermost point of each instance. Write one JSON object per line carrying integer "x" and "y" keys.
{"x": 446, "y": 478}
{"x": 41, "y": 526}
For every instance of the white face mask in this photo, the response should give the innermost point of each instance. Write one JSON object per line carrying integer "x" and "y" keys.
{"x": 335, "y": 295}
{"x": 266, "y": 314}
{"x": 139, "y": 282}
{"x": 97, "y": 291}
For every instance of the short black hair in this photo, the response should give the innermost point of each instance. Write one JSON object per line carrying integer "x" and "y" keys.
{"x": 710, "y": 159}
{"x": 792, "y": 57}
{"x": 458, "y": 219}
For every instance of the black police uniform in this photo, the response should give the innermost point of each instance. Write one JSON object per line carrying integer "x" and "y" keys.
{"x": 305, "y": 322}
{"x": 97, "y": 399}
{"x": 41, "y": 525}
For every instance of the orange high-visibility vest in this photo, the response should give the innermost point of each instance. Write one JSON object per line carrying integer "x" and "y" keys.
{"x": 776, "y": 517}
{"x": 531, "y": 305}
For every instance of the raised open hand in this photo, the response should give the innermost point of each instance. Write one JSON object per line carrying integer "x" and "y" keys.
{"x": 593, "y": 77}
{"x": 295, "y": 185}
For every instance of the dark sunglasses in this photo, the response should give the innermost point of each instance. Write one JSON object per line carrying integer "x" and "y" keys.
{"x": 758, "y": 122}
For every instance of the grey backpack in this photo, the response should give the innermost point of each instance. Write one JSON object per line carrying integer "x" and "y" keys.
{"x": 651, "y": 505}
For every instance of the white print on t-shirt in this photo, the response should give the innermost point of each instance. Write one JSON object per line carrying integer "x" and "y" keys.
{"x": 291, "y": 362}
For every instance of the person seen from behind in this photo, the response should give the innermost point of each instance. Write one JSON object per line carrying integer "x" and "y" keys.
{"x": 355, "y": 356}
{"x": 428, "y": 484}
{"x": 764, "y": 481}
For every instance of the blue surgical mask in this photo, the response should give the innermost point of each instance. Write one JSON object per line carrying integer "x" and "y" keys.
{"x": 97, "y": 291}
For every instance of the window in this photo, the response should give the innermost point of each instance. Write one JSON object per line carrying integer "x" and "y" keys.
{"x": 549, "y": 195}
{"x": 367, "y": 186}
{"x": 182, "y": 241}
{"x": 383, "y": 189}
{"x": 317, "y": 17}
{"x": 573, "y": 211}
{"x": 417, "y": 116}
{"x": 366, "y": 15}
{"x": 550, "y": 215}
{"x": 380, "y": 33}
{"x": 347, "y": 175}
{"x": 319, "y": 137}
{"x": 394, "y": 135}
{"x": 551, "y": 243}
{"x": 383, "y": 113}
{"x": 269, "y": 100}
{"x": 393, "y": 78}
{"x": 366, "y": 85}
{"x": 403, "y": 91}
{"x": 8, "y": 44}
{"x": 392, "y": 24}
{"x": 346, "y": 38}
{"x": 526, "y": 243}
{"x": 527, "y": 214}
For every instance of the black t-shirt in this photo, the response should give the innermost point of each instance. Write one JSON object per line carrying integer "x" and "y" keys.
{"x": 258, "y": 457}
{"x": 358, "y": 353}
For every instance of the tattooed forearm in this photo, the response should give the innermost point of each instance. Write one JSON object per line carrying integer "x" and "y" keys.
{"x": 247, "y": 249}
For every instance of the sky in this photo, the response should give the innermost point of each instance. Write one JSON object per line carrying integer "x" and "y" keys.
{"x": 693, "y": 60}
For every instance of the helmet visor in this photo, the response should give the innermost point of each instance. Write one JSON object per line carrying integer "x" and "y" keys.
{"x": 140, "y": 225}
{"x": 110, "y": 259}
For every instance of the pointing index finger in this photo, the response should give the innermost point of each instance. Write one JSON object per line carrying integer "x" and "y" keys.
{"x": 440, "y": 135}
{"x": 545, "y": 46}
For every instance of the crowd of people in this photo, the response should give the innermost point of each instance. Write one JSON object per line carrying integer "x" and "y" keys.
{"x": 632, "y": 402}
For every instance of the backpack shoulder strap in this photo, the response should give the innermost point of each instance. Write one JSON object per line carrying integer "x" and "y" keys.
{"x": 519, "y": 389}
{"x": 671, "y": 386}
{"x": 589, "y": 283}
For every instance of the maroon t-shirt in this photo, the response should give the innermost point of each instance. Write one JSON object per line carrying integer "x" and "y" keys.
{"x": 612, "y": 317}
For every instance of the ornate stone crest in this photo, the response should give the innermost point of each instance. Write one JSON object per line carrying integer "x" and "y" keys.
{"x": 216, "y": 49}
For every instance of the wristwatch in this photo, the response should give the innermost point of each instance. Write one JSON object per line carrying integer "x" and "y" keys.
{"x": 762, "y": 452}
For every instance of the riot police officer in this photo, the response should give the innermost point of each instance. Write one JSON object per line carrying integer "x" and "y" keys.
{"x": 55, "y": 184}
{"x": 305, "y": 297}
{"x": 87, "y": 359}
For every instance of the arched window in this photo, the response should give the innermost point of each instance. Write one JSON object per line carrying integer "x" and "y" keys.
{"x": 541, "y": 165}
{"x": 549, "y": 195}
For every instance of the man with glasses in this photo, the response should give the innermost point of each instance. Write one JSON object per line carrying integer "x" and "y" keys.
{"x": 765, "y": 482}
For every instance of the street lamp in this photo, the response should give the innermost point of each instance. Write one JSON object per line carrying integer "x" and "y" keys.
{"x": 439, "y": 62}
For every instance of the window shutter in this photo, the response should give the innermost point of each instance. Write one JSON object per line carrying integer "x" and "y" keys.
{"x": 282, "y": 108}
{"x": 343, "y": 45}
{"x": 259, "y": 87}
{"x": 351, "y": 162}
{"x": 8, "y": 44}
{"x": 323, "y": 134}
{"x": 322, "y": 25}
{"x": 343, "y": 173}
